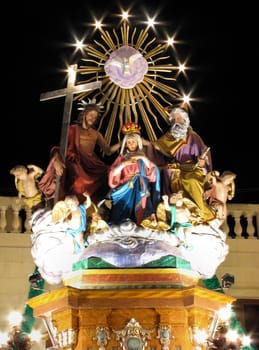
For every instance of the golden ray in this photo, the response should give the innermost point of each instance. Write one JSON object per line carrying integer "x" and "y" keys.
{"x": 116, "y": 37}
{"x": 144, "y": 116}
{"x": 143, "y": 35}
{"x": 133, "y": 104}
{"x": 125, "y": 34}
{"x": 127, "y": 104}
{"x": 102, "y": 46}
{"x": 108, "y": 40}
{"x": 155, "y": 51}
{"x": 146, "y": 101}
{"x": 132, "y": 36}
{"x": 148, "y": 44}
{"x": 91, "y": 51}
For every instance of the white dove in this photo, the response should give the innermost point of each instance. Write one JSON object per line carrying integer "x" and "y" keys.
{"x": 125, "y": 63}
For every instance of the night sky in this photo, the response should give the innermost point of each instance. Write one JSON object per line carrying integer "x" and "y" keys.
{"x": 221, "y": 46}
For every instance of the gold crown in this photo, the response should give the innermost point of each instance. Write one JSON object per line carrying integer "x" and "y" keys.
{"x": 130, "y": 128}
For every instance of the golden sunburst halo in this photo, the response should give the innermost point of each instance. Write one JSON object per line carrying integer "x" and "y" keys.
{"x": 138, "y": 79}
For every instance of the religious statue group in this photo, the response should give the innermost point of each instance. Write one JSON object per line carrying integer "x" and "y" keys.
{"x": 167, "y": 186}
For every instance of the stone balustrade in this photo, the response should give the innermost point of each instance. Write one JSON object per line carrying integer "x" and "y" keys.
{"x": 14, "y": 215}
{"x": 242, "y": 221}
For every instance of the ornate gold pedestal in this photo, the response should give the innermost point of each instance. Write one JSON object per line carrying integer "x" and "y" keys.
{"x": 136, "y": 315}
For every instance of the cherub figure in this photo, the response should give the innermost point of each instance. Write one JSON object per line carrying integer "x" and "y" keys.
{"x": 179, "y": 216}
{"x": 74, "y": 217}
{"x": 153, "y": 224}
{"x": 26, "y": 183}
{"x": 218, "y": 189}
{"x": 96, "y": 224}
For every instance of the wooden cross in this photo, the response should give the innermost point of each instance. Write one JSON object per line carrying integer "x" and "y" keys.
{"x": 68, "y": 92}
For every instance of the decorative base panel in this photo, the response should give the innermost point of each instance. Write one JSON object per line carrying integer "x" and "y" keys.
{"x": 131, "y": 278}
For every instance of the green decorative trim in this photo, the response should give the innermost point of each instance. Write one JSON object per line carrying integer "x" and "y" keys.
{"x": 213, "y": 284}
{"x": 28, "y": 318}
{"x": 166, "y": 261}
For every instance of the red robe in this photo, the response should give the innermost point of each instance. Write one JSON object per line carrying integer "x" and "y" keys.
{"x": 84, "y": 172}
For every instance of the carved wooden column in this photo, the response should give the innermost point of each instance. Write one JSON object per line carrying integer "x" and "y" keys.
{"x": 129, "y": 318}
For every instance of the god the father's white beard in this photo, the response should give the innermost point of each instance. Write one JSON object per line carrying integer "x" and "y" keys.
{"x": 179, "y": 131}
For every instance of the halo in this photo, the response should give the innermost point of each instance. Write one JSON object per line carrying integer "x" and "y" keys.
{"x": 82, "y": 104}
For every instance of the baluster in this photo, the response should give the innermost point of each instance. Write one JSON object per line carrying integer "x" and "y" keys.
{"x": 3, "y": 220}
{"x": 250, "y": 230}
{"x": 257, "y": 224}
{"x": 16, "y": 222}
{"x": 27, "y": 219}
{"x": 224, "y": 227}
{"x": 237, "y": 225}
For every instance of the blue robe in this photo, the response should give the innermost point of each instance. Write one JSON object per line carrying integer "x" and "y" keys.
{"x": 137, "y": 198}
